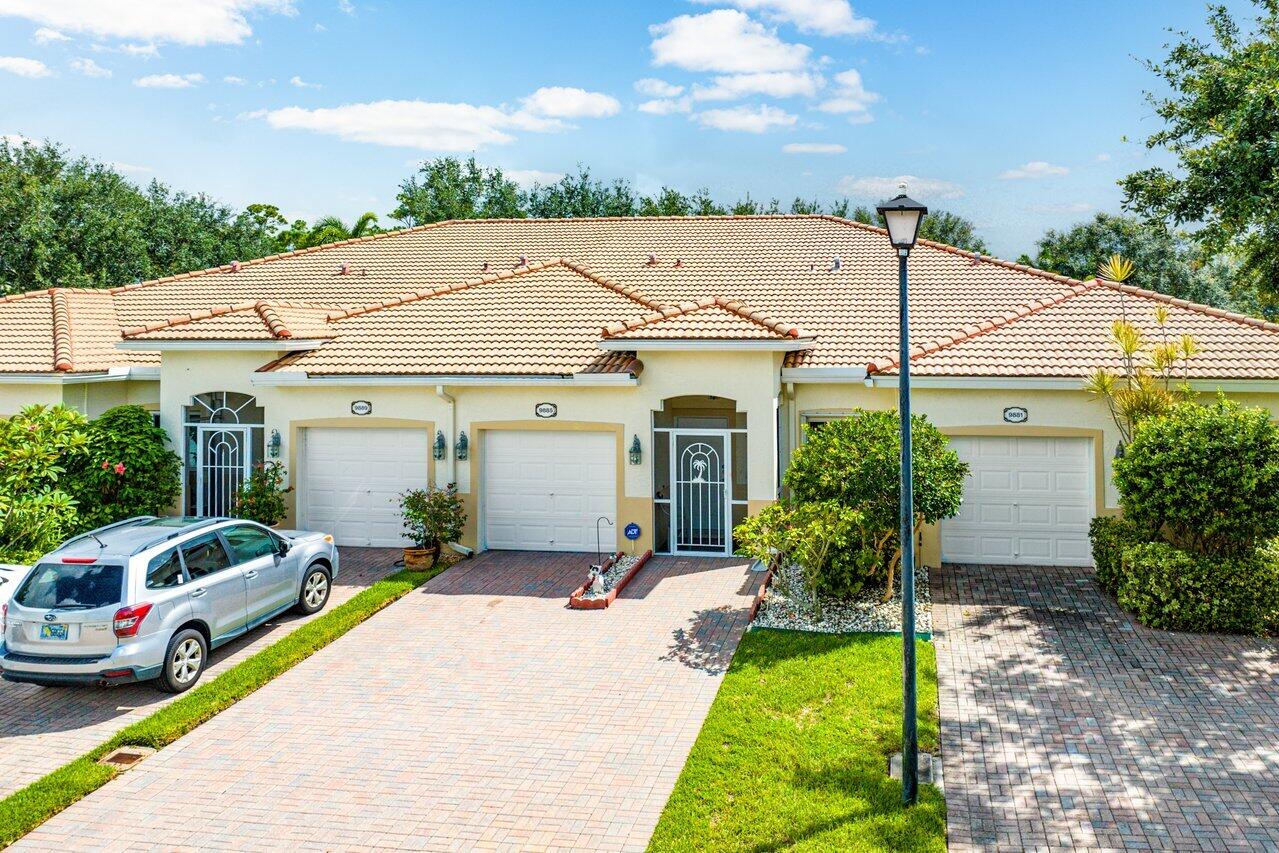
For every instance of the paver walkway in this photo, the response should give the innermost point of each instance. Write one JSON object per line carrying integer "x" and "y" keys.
{"x": 42, "y": 728}
{"x": 475, "y": 713}
{"x": 1067, "y": 725}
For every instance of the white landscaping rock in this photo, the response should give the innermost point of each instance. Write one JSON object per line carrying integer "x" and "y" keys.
{"x": 794, "y": 609}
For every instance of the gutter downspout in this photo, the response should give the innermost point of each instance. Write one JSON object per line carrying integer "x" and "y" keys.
{"x": 792, "y": 434}
{"x": 450, "y": 454}
{"x": 450, "y": 464}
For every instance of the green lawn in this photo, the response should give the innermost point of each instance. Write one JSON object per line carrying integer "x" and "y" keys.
{"x": 25, "y": 809}
{"x": 793, "y": 754}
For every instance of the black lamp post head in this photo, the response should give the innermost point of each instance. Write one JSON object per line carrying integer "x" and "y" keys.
{"x": 902, "y": 215}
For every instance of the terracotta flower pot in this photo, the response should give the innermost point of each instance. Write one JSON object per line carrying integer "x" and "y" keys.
{"x": 418, "y": 559}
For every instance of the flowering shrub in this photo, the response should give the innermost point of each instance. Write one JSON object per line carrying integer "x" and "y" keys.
{"x": 261, "y": 498}
{"x": 127, "y": 469}
{"x": 36, "y": 512}
{"x": 432, "y": 517}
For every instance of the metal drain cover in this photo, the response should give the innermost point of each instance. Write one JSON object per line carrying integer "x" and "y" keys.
{"x": 125, "y": 757}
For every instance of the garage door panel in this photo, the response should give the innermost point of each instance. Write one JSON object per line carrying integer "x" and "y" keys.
{"x": 351, "y": 481}
{"x": 1028, "y": 500}
{"x": 544, "y": 489}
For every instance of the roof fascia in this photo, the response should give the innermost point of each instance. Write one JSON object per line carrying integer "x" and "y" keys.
{"x": 625, "y": 344}
{"x": 114, "y": 374}
{"x": 1059, "y": 383}
{"x": 823, "y": 374}
{"x": 297, "y": 378}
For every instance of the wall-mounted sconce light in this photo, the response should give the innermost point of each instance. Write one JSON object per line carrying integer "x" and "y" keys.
{"x": 463, "y": 445}
{"x": 440, "y": 445}
{"x": 636, "y": 455}
{"x": 273, "y": 446}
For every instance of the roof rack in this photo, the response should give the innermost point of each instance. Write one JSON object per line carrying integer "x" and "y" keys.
{"x": 137, "y": 519}
{"x": 181, "y": 531}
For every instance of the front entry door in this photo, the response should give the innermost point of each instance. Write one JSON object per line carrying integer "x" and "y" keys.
{"x": 701, "y": 494}
{"x": 224, "y": 463}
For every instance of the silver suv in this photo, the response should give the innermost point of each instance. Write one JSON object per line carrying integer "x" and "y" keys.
{"x": 147, "y": 598}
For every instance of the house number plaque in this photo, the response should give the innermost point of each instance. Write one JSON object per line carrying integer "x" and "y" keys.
{"x": 546, "y": 410}
{"x": 1016, "y": 415}
{"x": 361, "y": 407}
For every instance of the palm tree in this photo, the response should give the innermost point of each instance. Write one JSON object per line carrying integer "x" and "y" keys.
{"x": 331, "y": 229}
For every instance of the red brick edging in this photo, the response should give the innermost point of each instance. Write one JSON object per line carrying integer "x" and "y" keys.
{"x": 759, "y": 595}
{"x": 577, "y": 602}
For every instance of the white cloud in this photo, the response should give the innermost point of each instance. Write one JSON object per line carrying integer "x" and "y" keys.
{"x": 850, "y": 97}
{"x": 89, "y": 68}
{"x": 169, "y": 81}
{"x": 431, "y": 126}
{"x": 665, "y": 106}
{"x": 725, "y": 40}
{"x": 24, "y": 67}
{"x": 880, "y": 187}
{"x": 297, "y": 81}
{"x": 774, "y": 84}
{"x": 823, "y": 17}
{"x": 128, "y": 168}
{"x": 233, "y": 80}
{"x": 529, "y": 177}
{"x": 148, "y": 51}
{"x": 45, "y": 35}
{"x": 1103, "y": 157}
{"x": 813, "y": 148}
{"x": 757, "y": 119}
{"x": 346, "y": 6}
{"x": 192, "y": 22}
{"x": 568, "y": 102}
{"x": 1033, "y": 170}
{"x": 654, "y": 88}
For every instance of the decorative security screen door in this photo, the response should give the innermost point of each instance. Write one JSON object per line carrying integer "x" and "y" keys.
{"x": 224, "y": 463}
{"x": 701, "y": 491}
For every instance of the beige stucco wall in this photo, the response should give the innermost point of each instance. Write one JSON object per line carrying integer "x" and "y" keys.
{"x": 91, "y": 398}
{"x": 15, "y": 396}
{"x": 750, "y": 379}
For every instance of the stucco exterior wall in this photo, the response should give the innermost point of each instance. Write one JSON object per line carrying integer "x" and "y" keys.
{"x": 15, "y": 396}
{"x": 750, "y": 379}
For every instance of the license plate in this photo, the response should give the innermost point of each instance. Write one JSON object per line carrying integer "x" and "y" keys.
{"x": 53, "y": 632}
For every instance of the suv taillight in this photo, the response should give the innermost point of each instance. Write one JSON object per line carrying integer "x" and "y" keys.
{"x": 129, "y": 619}
{"x": 4, "y": 619}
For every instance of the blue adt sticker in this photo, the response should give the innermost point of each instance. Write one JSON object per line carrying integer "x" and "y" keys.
{"x": 632, "y": 531}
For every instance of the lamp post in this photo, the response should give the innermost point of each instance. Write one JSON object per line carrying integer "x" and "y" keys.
{"x": 902, "y": 216}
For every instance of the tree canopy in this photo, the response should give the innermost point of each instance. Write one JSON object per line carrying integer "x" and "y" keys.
{"x": 1220, "y": 121}
{"x": 68, "y": 222}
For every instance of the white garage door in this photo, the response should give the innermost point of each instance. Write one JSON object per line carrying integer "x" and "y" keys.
{"x": 1028, "y": 501}
{"x": 352, "y": 478}
{"x": 544, "y": 490}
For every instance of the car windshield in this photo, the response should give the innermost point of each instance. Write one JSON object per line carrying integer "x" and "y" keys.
{"x": 68, "y": 586}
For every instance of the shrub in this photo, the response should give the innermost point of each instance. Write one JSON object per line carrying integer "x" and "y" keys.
{"x": 127, "y": 470}
{"x": 1110, "y": 534}
{"x": 855, "y": 461}
{"x": 808, "y": 535}
{"x": 1206, "y": 478}
{"x": 36, "y": 512}
{"x": 261, "y": 497}
{"x": 1166, "y": 587}
{"x": 432, "y": 517}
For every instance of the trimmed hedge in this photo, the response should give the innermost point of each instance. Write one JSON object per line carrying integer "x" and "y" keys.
{"x": 1109, "y": 535}
{"x": 1168, "y": 588}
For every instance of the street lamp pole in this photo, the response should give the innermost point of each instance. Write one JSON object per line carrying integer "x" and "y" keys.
{"x": 902, "y": 216}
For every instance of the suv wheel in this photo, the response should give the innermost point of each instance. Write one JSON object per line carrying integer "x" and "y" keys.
{"x": 315, "y": 591}
{"x": 184, "y": 661}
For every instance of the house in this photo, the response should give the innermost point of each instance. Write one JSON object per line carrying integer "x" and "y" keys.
{"x": 576, "y": 377}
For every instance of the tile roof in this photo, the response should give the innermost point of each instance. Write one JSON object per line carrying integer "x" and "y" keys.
{"x": 817, "y": 277}
{"x": 1069, "y": 336}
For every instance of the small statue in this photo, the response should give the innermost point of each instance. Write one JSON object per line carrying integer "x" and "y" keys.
{"x": 596, "y": 578}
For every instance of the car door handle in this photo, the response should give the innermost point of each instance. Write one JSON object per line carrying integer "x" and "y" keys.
{"x": 196, "y": 593}
{"x": 250, "y": 575}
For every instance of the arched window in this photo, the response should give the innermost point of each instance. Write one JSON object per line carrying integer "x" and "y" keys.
{"x": 223, "y": 437}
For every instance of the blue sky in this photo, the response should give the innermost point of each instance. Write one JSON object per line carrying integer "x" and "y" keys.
{"x": 1011, "y": 113}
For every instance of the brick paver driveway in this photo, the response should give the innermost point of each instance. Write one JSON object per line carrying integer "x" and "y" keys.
{"x": 1066, "y": 724}
{"x": 476, "y": 713}
{"x": 42, "y": 728}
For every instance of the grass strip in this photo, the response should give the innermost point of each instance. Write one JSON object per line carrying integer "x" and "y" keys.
{"x": 793, "y": 754}
{"x": 25, "y": 809}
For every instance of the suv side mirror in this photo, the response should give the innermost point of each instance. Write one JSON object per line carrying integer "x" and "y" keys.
{"x": 283, "y": 548}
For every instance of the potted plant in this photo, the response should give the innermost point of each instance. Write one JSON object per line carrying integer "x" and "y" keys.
{"x": 261, "y": 497}
{"x": 432, "y": 517}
